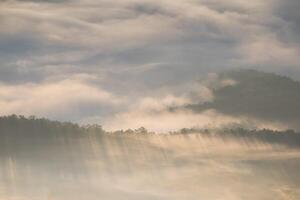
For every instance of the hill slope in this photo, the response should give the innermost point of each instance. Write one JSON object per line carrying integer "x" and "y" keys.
{"x": 256, "y": 94}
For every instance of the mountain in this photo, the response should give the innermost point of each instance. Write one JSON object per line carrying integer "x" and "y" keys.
{"x": 256, "y": 94}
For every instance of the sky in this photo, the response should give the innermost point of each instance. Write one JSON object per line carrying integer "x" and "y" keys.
{"x": 122, "y": 63}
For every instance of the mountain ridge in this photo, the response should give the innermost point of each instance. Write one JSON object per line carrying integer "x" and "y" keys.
{"x": 256, "y": 94}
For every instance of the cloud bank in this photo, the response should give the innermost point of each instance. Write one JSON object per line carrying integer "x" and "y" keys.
{"x": 135, "y": 53}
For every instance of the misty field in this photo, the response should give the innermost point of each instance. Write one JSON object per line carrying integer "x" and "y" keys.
{"x": 98, "y": 165}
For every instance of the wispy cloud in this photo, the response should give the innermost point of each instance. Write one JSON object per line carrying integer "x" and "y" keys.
{"x": 71, "y": 98}
{"x": 135, "y": 48}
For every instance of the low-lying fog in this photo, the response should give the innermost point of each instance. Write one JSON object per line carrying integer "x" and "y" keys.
{"x": 150, "y": 167}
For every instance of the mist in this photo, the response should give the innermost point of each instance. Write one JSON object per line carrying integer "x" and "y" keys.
{"x": 53, "y": 160}
{"x": 149, "y": 99}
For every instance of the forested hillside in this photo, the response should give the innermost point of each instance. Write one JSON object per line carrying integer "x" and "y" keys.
{"x": 21, "y": 133}
{"x": 256, "y": 94}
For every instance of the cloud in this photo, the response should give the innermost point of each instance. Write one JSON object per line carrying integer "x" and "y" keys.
{"x": 269, "y": 51}
{"x": 168, "y": 111}
{"x": 135, "y": 47}
{"x": 167, "y": 121}
{"x": 288, "y": 12}
{"x": 71, "y": 98}
{"x": 79, "y": 98}
{"x": 81, "y": 26}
